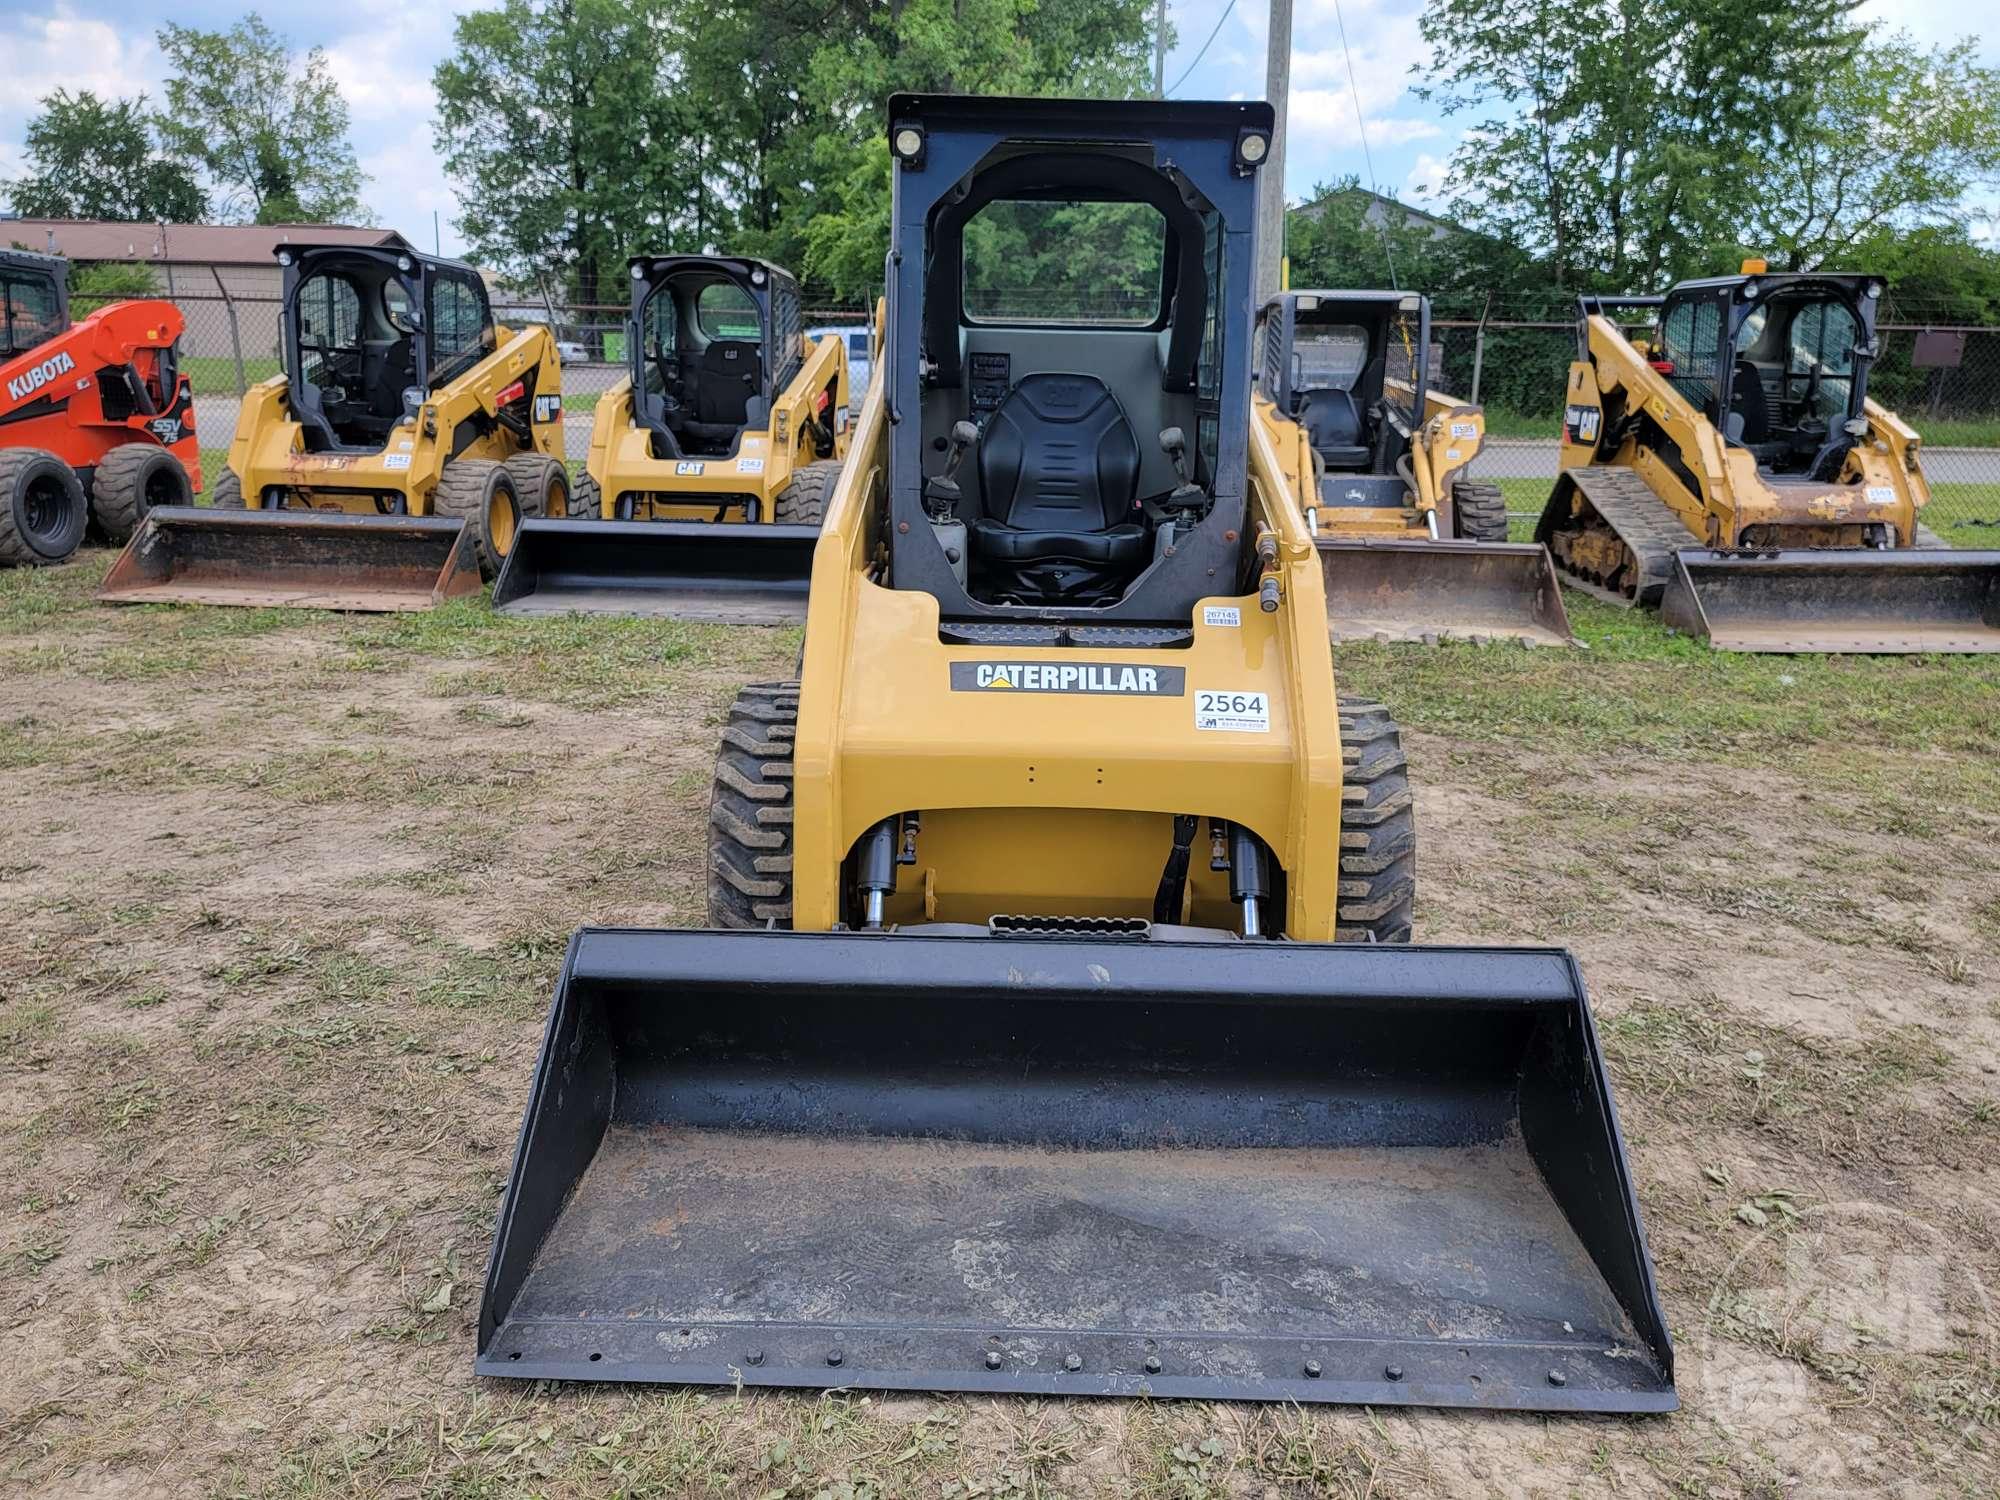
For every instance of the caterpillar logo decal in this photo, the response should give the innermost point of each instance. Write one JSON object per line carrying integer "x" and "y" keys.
{"x": 1092, "y": 677}
{"x": 24, "y": 385}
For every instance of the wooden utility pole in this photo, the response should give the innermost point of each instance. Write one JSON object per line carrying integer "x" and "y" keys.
{"x": 1271, "y": 190}
{"x": 1160, "y": 50}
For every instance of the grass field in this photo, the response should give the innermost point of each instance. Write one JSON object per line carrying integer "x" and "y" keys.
{"x": 282, "y": 896}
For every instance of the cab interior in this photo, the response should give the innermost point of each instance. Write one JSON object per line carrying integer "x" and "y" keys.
{"x": 702, "y": 380}
{"x": 1084, "y": 376}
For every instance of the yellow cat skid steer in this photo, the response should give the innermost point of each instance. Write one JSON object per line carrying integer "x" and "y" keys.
{"x": 1412, "y": 547}
{"x": 1730, "y": 470}
{"x": 1058, "y": 1029}
{"x": 389, "y": 467}
{"x": 710, "y": 463}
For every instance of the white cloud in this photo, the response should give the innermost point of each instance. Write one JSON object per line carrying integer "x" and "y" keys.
{"x": 60, "y": 49}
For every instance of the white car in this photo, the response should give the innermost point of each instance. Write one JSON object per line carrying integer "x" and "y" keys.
{"x": 857, "y": 358}
{"x": 571, "y": 352}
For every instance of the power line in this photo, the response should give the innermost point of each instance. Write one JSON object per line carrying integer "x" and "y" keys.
{"x": 1367, "y": 156}
{"x": 1204, "y": 47}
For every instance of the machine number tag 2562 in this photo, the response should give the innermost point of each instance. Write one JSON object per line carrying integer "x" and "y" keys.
{"x": 1244, "y": 713}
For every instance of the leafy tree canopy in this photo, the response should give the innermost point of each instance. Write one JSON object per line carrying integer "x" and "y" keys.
{"x": 92, "y": 158}
{"x": 268, "y": 126}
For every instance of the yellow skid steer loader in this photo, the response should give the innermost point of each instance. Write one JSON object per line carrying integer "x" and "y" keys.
{"x": 388, "y": 467}
{"x": 1729, "y": 469}
{"x": 1412, "y": 548}
{"x": 1058, "y": 1029}
{"x": 710, "y": 463}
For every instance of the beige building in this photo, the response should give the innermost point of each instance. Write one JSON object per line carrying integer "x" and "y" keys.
{"x": 211, "y": 270}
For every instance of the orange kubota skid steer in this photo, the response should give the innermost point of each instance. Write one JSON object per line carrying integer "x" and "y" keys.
{"x": 96, "y": 420}
{"x": 1059, "y": 1028}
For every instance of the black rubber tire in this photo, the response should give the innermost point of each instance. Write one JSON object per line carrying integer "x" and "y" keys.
{"x": 541, "y": 484}
{"x": 469, "y": 491}
{"x": 1378, "y": 829}
{"x": 1479, "y": 511}
{"x": 802, "y": 502}
{"x": 43, "y": 514}
{"x": 586, "y": 500}
{"x": 750, "y": 810}
{"x": 227, "y": 491}
{"x": 132, "y": 480}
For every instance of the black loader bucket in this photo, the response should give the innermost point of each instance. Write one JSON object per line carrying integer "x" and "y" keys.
{"x": 1427, "y": 591}
{"x": 312, "y": 559}
{"x": 750, "y": 573}
{"x": 1918, "y": 599}
{"x": 1088, "y": 1166}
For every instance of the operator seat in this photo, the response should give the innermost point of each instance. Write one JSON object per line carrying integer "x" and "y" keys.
{"x": 1332, "y": 420}
{"x": 1059, "y": 483}
{"x": 731, "y": 376}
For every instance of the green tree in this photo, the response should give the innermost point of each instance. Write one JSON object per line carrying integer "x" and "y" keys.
{"x": 571, "y": 142}
{"x": 835, "y": 174}
{"x": 92, "y": 158}
{"x": 93, "y": 284}
{"x": 1893, "y": 140}
{"x": 267, "y": 125}
{"x": 1623, "y": 142}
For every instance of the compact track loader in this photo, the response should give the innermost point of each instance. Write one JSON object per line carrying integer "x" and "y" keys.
{"x": 1742, "y": 423}
{"x": 728, "y": 415}
{"x": 1412, "y": 548}
{"x": 96, "y": 420}
{"x": 388, "y": 467}
{"x": 1058, "y": 1029}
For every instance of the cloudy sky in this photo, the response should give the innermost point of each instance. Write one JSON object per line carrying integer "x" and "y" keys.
{"x": 383, "y": 51}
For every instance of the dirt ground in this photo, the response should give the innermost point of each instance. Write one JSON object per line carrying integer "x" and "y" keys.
{"x": 282, "y": 896}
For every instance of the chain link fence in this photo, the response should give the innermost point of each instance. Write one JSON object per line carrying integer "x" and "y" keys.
{"x": 1942, "y": 377}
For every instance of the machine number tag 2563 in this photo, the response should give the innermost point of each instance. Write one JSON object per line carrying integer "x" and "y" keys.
{"x": 1244, "y": 713}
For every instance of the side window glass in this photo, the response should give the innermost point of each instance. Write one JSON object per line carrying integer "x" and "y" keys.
{"x": 458, "y": 324}
{"x": 1691, "y": 338}
{"x": 33, "y": 313}
{"x": 660, "y": 336}
{"x": 329, "y": 330}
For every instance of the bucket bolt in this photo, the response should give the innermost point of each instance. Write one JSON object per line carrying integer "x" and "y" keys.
{"x": 992, "y": 1359}
{"x": 1249, "y": 877}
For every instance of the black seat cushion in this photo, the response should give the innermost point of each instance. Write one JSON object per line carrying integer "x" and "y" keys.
{"x": 731, "y": 373}
{"x": 388, "y": 369}
{"x": 1059, "y": 456}
{"x": 1059, "y": 481}
{"x": 1746, "y": 397}
{"x": 1332, "y": 420}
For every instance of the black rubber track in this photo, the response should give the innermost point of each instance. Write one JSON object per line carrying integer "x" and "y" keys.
{"x": 750, "y": 810}
{"x": 1378, "y": 828}
{"x": 802, "y": 502}
{"x": 1480, "y": 511}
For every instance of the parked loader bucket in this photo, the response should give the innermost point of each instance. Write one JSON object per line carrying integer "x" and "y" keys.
{"x": 1944, "y": 599}
{"x": 1090, "y": 1166}
{"x": 311, "y": 559}
{"x": 749, "y": 573}
{"x": 1427, "y": 591}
